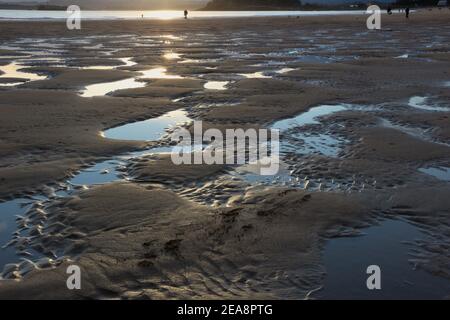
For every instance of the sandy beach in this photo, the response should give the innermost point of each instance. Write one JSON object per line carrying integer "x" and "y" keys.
{"x": 140, "y": 227}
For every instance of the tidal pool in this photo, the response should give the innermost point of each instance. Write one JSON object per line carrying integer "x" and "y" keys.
{"x": 346, "y": 261}
{"x": 309, "y": 117}
{"x": 148, "y": 130}
{"x": 255, "y": 75}
{"x": 102, "y": 89}
{"x": 172, "y": 56}
{"x": 284, "y": 70}
{"x": 440, "y": 173}
{"x": 216, "y": 85}
{"x": 158, "y": 73}
{"x": 13, "y": 70}
{"x": 9, "y": 211}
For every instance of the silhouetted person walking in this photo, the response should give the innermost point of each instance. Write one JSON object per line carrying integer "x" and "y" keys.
{"x": 389, "y": 10}
{"x": 186, "y": 14}
{"x": 407, "y": 13}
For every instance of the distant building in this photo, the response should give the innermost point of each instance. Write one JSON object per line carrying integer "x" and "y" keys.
{"x": 442, "y": 3}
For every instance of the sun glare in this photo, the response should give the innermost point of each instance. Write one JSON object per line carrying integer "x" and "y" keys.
{"x": 163, "y": 14}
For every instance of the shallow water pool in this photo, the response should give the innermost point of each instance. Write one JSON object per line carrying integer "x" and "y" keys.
{"x": 148, "y": 130}
{"x": 102, "y": 89}
{"x": 346, "y": 261}
{"x": 216, "y": 85}
{"x": 441, "y": 173}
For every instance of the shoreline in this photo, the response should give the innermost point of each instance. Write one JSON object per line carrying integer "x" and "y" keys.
{"x": 91, "y": 15}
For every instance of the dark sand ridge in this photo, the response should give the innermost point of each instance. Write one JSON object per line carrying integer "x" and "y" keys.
{"x": 160, "y": 169}
{"x": 190, "y": 250}
{"x": 173, "y": 88}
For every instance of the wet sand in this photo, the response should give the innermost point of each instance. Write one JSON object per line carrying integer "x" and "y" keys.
{"x": 144, "y": 228}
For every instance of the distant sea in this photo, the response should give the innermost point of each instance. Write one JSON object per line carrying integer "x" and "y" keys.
{"x": 158, "y": 14}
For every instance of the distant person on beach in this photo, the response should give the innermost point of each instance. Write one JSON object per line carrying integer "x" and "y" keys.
{"x": 186, "y": 14}
{"x": 407, "y": 13}
{"x": 389, "y": 10}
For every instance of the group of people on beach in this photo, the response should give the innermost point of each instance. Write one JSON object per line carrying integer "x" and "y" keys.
{"x": 389, "y": 11}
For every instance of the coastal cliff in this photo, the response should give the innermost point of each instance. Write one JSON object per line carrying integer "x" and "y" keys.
{"x": 224, "y": 5}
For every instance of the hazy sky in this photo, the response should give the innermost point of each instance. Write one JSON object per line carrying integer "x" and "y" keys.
{"x": 107, "y": 4}
{"x": 145, "y": 4}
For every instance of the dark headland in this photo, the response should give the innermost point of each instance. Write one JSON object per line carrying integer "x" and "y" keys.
{"x": 223, "y": 5}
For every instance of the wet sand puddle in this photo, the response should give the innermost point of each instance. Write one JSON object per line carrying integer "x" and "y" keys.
{"x": 440, "y": 173}
{"x": 26, "y": 219}
{"x": 285, "y": 70}
{"x": 172, "y": 56}
{"x": 216, "y": 85}
{"x": 148, "y": 130}
{"x": 255, "y": 75}
{"x": 387, "y": 244}
{"x": 205, "y": 61}
{"x": 403, "y": 56}
{"x": 312, "y": 142}
{"x": 102, "y": 89}
{"x": 14, "y": 74}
